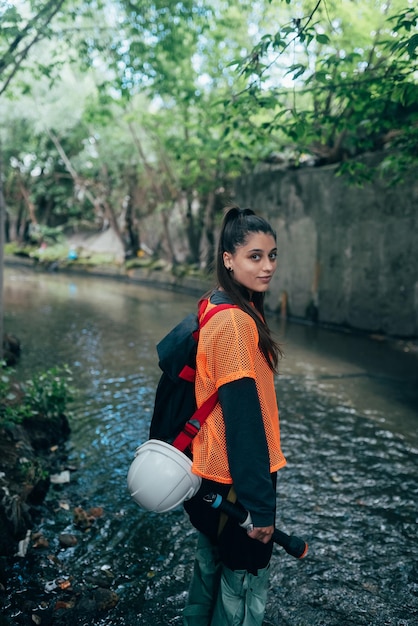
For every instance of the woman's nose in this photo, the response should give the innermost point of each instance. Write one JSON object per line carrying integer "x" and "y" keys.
{"x": 269, "y": 265}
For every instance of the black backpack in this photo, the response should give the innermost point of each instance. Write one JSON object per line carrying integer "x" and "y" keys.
{"x": 176, "y": 418}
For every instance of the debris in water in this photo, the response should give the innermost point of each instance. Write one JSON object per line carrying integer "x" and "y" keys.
{"x": 23, "y": 545}
{"x": 60, "y": 479}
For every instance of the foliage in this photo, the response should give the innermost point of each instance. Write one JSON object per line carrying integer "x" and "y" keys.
{"x": 10, "y": 411}
{"x": 49, "y": 235}
{"x": 125, "y": 110}
{"x": 23, "y": 25}
{"x": 31, "y": 472}
{"x": 90, "y": 260}
{"x": 15, "y": 249}
{"x": 50, "y": 392}
{"x": 340, "y": 96}
{"x": 47, "y": 394}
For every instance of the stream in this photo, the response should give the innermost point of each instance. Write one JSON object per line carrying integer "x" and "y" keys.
{"x": 348, "y": 406}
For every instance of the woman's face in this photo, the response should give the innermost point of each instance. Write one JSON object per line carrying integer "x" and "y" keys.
{"x": 254, "y": 263}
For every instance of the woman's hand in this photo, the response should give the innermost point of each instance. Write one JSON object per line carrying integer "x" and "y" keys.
{"x": 262, "y": 534}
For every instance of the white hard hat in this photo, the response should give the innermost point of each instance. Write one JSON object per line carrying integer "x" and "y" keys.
{"x": 160, "y": 477}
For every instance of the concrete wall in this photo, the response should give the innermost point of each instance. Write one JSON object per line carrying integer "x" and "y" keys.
{"x": 351, "y": 252}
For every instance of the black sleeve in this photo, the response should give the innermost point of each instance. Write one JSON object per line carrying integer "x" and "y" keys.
{"x": 247, "y": 449}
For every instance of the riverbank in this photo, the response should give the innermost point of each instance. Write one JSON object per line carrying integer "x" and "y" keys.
{"x": 33, "y": 429}
{"x": 183, "y": 280}
{"x": 180, "y": 279}
{"x": 35, "y": 485}
{"x": 32, "y": 455}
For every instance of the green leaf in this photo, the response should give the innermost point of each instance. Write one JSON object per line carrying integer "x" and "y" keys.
{"x": 321, "y": 76}
{"x": 297, "y": 70}
{"x": 322, "y": 38}
{"x": 412, "y": 45}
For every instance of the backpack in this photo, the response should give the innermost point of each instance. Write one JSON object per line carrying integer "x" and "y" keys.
{"x": 176, "y": 418}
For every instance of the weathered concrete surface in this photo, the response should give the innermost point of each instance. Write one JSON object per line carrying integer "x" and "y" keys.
{"x": 347, "y": 255}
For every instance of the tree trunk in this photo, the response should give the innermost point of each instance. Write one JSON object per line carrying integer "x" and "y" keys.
{"x": 133, "y": 238}
{"x": 165, "y": 218}
{"x": 29, "y": 204}
{"x": 79, "y": 182}
{"x": 194, "y": 228}
{"x": 6, "y": 225}
{"x": 113, "y": 221}
{"x": 210, "y": 232}
{"x": 191, "y": 231}
{"x": 2, "y": 213}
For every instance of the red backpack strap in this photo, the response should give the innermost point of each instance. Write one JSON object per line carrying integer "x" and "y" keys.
{"x": 216, "y": 309}
{"x": 194, "y": 424}
{"x": 188, "y": 373}
{"x": 192, "y": 427}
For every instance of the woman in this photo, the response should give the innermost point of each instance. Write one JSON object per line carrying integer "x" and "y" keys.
{"x": 237, "y": 452}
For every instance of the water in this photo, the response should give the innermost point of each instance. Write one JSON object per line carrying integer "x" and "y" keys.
{"x": 349, "y": 429}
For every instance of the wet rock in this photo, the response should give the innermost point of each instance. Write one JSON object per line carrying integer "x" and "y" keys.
{"x": 105, "y": 599}
{"x": 3, "y": 575}
{"x": 14, "y": 512}
{"x": 84, "y": 606}
{"x": 15, "y": 518}
{"x": 39, "y": 541}
{"x": 26, "y": 462}
{"x": 46, "y": 432}
{"x": 25, "y": 604}
{"x": 96, "y": 511}
{"x": 85, "y": 519}
{"x": 67, "y": 540}
{"x": 11, "y": 349}
{"x": 38, "y": 491}
{"x": 64, "y": 605}
{"x": 100, "y": 579}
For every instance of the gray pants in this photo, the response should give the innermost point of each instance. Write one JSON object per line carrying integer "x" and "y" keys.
{"x": 219, "y": 596}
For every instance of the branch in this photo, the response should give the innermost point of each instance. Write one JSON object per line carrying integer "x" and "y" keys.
{"x": 30, "y": 206}
{"x": 254, "y": 55}
{"x": 53, "y": 5}
{"x": 78, "y": 181}
{"x": 18, "y": 63}
{"x": 38, "y": 23}
{"x": 149, "y": 170}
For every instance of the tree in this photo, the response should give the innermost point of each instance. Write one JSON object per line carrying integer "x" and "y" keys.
{"x": 336, "y": 82}
{"x": 2, "y": 221}
{"x": 17, "y": 36}
{"x": 154, "y": 107}
{"x": 183, "y": 69}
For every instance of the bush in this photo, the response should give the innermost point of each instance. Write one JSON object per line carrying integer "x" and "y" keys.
{"x": 47, "y": 394}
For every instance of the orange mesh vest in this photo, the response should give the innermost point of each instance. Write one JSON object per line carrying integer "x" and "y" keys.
{"x": 227, "y": 351}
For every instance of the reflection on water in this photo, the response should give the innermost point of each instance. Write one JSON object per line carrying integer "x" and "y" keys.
{"x": 349, "y": 414}
{"x": 379, "y": 381}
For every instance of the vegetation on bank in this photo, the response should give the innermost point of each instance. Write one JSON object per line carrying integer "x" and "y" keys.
{"x": 46, "y": 395}
{"x": 33, "y": 426}
{"x": 63, "y": 256}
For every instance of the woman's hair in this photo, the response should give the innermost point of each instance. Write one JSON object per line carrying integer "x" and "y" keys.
{"x": 237, "y": 225}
